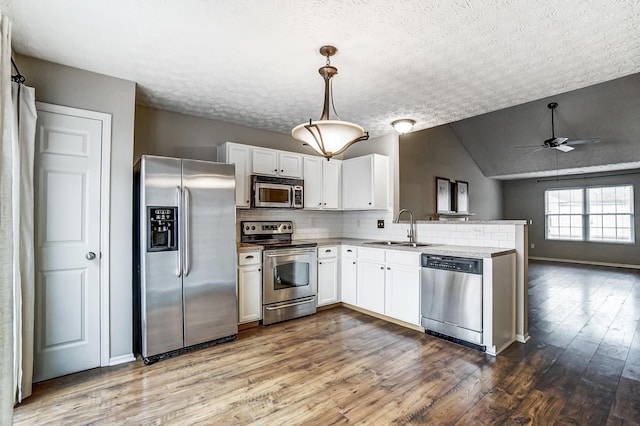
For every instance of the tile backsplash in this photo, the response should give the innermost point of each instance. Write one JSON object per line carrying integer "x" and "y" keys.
{"x": 363, "y": 224}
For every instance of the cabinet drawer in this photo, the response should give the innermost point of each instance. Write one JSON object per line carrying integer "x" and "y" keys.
{"x": 249, "y": 258}
{"x": 398, "y": 257}
{"x": 376, "y": 255}
{"x": 349, "y": 251}
{"x": 325, "y": 252}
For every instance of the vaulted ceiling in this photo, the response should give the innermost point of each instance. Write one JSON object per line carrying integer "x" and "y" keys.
{"x": 254, "y": 62}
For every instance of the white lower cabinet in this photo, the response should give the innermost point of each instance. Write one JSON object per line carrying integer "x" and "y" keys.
{"x": 387, "y": 282}
{"x": 349, "y": 274}
{"x": 327, "y": 275}
{"x": 249, "y": 286}
{"x": 371, "y": 279}
{"x": 402, "y": 293}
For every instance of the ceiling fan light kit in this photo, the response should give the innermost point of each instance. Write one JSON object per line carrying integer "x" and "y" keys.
{"x": 326, "y": 136}
{"x": 403, "y": 125}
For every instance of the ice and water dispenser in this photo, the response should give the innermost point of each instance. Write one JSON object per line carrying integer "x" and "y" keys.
{"x": 162, "y": 226}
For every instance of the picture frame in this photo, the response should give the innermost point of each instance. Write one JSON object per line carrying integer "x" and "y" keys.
{"x": 443, "y": 195}
{"x": 462, "y": 196}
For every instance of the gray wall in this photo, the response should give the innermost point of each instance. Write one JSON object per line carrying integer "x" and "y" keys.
{"x": 61, "y": 85}
{"x": 425, "y": 154}
{"x": 167, "y": 133}
{"x": 608, "y": 111}
{"x": 524, "y": 199}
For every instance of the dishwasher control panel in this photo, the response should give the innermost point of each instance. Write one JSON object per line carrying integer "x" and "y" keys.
{"x": 451, "y": 263}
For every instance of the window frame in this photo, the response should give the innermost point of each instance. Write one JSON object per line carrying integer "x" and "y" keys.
{"x": 586, "y": 215}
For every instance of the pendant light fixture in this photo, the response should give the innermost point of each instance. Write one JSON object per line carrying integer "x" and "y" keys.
{"x": 329, "y": 137}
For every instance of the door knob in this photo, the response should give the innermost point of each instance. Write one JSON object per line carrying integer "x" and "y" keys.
{"x": 90, "y": 255}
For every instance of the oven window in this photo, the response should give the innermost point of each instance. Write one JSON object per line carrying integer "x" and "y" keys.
{"x": 288, "y": 275}
{"x": 273, "y": 195}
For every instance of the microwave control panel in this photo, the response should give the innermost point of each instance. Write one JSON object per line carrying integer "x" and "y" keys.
{"x": 162, "y": 229}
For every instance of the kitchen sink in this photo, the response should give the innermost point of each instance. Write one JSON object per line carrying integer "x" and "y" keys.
{"x": 399, "y": 243}
{"x": 386, "y": 243}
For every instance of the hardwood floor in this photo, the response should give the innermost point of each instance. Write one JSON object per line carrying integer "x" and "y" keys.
{"x": 581, "y": 366}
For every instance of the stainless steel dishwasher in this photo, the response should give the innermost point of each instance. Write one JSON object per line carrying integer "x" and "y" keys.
{"x": 451, "y": 299}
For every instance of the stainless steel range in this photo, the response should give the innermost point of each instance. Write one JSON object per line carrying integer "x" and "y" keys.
{"x": 289, "y": 277}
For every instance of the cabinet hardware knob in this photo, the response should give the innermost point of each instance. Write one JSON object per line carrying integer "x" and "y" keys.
{"x": 259, "y": 269}
{"x": 282, "y": 171}
{"x": 382, "y": 267}
{"x": 369, "y": 203}
{"x": 349, "y": 251}
{"x": 248, "y": 257}
{"x": 327, "y": 251}
{"x": 354, "y": 263}
{"x": 388, "y": 269}
{"x": 320, "y": 263}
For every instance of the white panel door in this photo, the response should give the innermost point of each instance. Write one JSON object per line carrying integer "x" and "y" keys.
{"x": 327, "y": 281}
{"x": 402, "y": 299}
{"x": 370, "y": 286}
{"x": 67, "y": 211}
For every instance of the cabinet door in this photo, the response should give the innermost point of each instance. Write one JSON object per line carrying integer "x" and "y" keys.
{"x": 370, "y": 289}
{"x": 331, "y": 184}
{"x": 357, "y": 183}
{"x": 312, "y": 182}
{"x": 265, "y": 161}
{"x": 327, "y": 281}
{"x": 240, "y": 156}
{"x": 290, "y": 165}
{"x": 249, "y": 293}
{"x": 402, "y": 299}
{"x": 348, "y": 280}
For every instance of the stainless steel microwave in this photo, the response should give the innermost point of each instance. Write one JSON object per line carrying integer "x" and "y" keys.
{"x": 276, "y": 192}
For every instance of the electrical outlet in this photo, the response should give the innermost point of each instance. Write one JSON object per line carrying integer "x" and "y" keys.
{"x": 380, "y": 223}
{"x": 533, "y": 245}
{"x": 530, "y": 221}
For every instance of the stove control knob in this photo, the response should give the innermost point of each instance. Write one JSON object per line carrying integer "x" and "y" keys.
{"x": 253, "y": 228}
{"x": 289, "y": 226}
{"x": 246, "y": 228}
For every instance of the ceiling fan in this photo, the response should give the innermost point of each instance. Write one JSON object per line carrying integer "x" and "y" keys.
{"x": 561, "y": 144}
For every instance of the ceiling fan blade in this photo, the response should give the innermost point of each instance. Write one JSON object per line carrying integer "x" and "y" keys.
{"x": 564, "y": 148}
{"x": 583, "y": 141}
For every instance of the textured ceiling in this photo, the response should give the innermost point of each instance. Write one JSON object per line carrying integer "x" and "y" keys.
{"x": 254, "y": 62}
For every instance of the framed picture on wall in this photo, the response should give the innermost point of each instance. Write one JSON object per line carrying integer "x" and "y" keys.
{"x": 462, "y": 196}
{"x": 443, "y": 195}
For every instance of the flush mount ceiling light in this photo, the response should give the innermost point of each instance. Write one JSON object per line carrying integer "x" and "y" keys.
{"x": 403, "y": 125}
{"x": 329, "y": 137}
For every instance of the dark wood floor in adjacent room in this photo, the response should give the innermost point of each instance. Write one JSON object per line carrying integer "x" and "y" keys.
{"x": 581, "y": 366}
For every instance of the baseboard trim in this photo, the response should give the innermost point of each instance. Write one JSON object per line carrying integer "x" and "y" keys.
{"x": 122, "y": 359}
{"x": 385, "y": 318}
{"x": 522, "y": 339}
{"x": 586, "y": 262}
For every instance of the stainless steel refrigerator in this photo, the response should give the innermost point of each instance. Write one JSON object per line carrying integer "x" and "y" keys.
{"x": 185, "y": 255}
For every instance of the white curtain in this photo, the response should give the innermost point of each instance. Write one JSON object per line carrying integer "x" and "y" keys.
{"x": 17, "y": 127}
{"x": 24, "y": 108}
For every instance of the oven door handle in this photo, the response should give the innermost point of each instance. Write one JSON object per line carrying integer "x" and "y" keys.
{"x": 282, "y": 253}
{"x": 303, "y": 302}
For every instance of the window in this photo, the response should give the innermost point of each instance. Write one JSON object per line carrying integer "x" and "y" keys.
{"x": 603, "y": 214}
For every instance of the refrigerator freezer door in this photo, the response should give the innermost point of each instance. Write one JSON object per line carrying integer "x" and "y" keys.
{"x": 161, "y": 287}
{"x": 209, "y": 266}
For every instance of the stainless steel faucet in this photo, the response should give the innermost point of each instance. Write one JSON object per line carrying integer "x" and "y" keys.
{"x": 411, "y": 233}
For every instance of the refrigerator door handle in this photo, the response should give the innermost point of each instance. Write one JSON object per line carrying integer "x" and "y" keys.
{"x": 179, "y": 252}
{"x": 187, "y": 230}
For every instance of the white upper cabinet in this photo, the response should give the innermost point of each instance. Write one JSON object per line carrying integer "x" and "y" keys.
{"x": 290, "y": 164}
{"x": 365, "y": 183}
{"x": 277, "y": 163}
{"x": 240, "y": 155}
{"x": 322, "y": 187}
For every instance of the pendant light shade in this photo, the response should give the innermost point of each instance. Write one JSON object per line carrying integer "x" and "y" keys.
{"x": 326, "y": 136}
